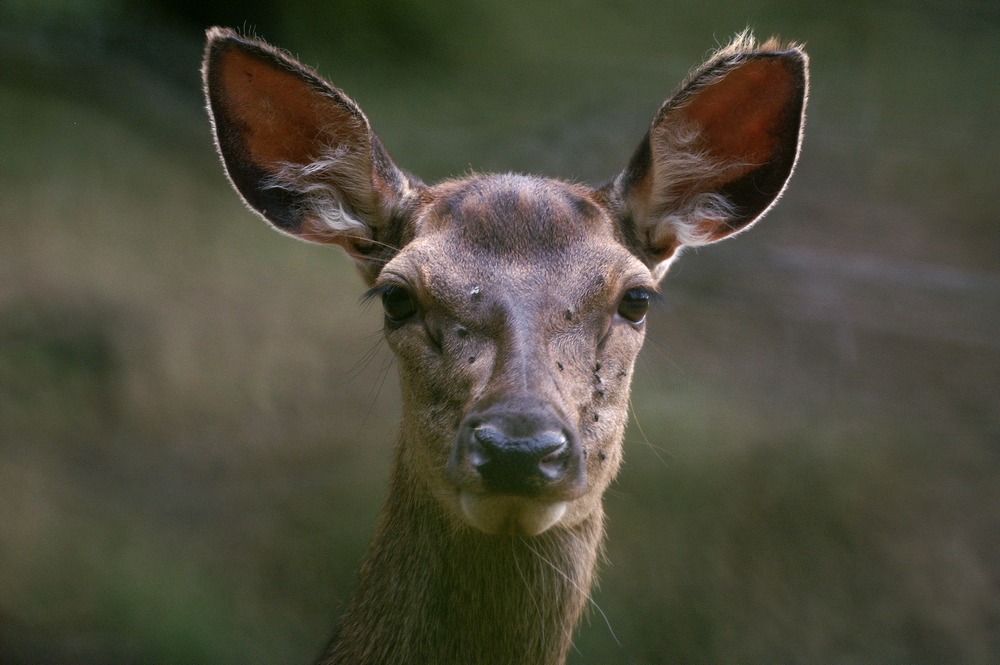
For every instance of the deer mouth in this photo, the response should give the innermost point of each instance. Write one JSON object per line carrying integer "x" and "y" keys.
{"x": 510, "y": 515}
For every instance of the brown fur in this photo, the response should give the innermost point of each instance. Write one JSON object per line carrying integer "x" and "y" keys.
{"x": 431, "y": 592}
{"x": 515, "y": 290}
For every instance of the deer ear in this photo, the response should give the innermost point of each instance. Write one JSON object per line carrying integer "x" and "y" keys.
{"x": 719, "y": 151}
{"x": 298, "y": 150}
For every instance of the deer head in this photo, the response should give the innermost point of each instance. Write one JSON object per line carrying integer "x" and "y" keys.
{"x": 515, "y": 305}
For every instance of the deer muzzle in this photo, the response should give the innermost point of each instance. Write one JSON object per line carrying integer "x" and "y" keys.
{"x": 516, "y": 465}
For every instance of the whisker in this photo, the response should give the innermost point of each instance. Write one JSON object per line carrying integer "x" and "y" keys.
{"x": 527, "y": 587}
{"x": 365, "y": 360}
{"x": 386, "y": 366}
{"x": 645, "y": 439}
{"x": 586, "y": 592}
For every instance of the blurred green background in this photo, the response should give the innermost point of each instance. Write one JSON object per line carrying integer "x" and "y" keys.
{"x": 196, "y": 415}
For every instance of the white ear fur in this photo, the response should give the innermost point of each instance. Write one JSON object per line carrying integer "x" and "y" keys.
{"x": 324, "y": 204}
{"x": 680, "y": 211}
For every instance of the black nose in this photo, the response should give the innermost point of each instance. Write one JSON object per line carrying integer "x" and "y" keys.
{"x": 510, "y": 451}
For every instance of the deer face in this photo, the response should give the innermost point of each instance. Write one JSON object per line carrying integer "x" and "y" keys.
{"x": 515, "y": 304}
{"x": 516, "y": 316}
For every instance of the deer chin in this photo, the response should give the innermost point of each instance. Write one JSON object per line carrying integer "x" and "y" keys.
{"x": 510, "y": 515}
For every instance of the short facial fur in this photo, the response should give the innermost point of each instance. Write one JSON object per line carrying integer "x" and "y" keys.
{"x": 517, "y": 283}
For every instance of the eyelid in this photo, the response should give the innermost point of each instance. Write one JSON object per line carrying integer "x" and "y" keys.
{"x": 652, "y": 290}
{"x": 650, "y": 287}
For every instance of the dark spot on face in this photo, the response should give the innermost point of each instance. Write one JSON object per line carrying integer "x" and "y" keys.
{"x": 560, "y": 366}
{"x": 581, "y": 207}
{"x": 462, "y": 332}
{"x": 448, "y": 207}
{"x": 569, "y": 315}
{"x": 472, "y": 359}
{"x": 596, "y": 417}
{"x": 601, "y": 455}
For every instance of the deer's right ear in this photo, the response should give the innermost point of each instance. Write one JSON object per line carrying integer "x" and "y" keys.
{"x": 299, "y": 151}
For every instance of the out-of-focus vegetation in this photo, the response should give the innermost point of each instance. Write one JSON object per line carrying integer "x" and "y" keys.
{"x": 196, "y": 416}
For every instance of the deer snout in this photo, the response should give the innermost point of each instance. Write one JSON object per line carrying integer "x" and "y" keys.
{"x": 512, "y": 452}
{"x": 518, "y": 465}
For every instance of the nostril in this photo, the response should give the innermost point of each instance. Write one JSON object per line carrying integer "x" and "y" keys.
{"x": 554, "y": 460}
{"x": 489, "y": 436}
{"x": 487, "y": 444}
{"x": 549, "y": 444}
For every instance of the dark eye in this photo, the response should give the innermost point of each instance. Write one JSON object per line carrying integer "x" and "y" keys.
{"x": 634, "y": 305}
{"x": 398, "y": 304}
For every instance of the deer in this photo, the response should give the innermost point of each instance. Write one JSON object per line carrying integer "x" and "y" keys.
{"x": 515, "y": 306}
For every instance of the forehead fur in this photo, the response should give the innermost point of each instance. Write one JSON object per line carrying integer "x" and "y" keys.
{"x": 515, "y": 216}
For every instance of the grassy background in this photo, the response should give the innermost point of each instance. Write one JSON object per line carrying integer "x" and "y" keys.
{"x": 196, "y": 416}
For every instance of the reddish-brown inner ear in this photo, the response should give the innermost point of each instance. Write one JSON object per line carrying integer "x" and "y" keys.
{"x": 739, "y": 125}
{"x": 280, "y": 116}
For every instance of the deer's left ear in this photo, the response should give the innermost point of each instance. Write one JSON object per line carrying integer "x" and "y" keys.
{"x": 718, "y": 153}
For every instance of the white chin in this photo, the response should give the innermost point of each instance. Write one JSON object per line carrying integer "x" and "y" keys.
{"x": 510, "y": 515}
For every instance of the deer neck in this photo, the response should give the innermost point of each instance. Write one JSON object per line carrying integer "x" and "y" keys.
{"x": 434, "y": 592}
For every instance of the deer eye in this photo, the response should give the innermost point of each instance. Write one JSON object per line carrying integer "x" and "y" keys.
{"x": 634, "y": 305}
{"x": 398, "y": 304}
